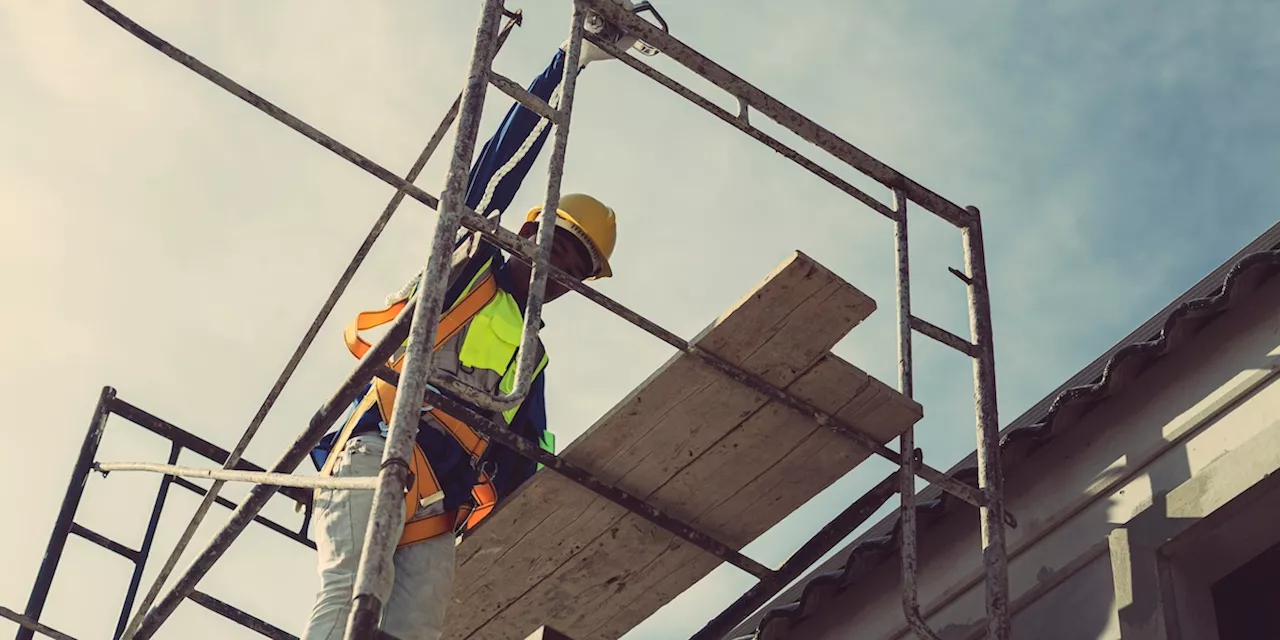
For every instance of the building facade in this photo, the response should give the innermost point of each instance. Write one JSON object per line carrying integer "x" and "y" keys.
{"x": 1145, "y": 490}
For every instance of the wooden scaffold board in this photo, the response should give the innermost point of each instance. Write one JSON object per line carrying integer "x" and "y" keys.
{"x": 698, "y": 445}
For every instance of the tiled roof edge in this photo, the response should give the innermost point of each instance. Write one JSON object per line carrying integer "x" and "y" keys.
{"x": 1180, "y": 325}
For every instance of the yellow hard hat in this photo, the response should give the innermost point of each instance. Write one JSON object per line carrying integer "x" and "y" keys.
{"x": 590, "y": 221}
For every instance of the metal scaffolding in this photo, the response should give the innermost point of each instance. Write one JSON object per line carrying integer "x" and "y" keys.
{"x": 417, "y": 323}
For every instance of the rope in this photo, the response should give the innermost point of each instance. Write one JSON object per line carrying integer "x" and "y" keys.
{"x": 465, "y": 235}
{"x": 321, "y": 317}
{"x": 519, "y": 155}
{"x": 255, "y": 477}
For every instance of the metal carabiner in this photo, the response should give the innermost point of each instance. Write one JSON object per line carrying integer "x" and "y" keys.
{"x": 644, "y": 47}
{"x": 613, "y": 33}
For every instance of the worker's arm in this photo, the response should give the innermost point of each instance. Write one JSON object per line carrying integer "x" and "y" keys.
{"x": 511, "y": 135}
{"x": 530, "y": 422}
{"x": 519, "y": 122}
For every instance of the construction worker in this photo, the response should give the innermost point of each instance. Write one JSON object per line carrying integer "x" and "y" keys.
{"x": 478, "y": 339}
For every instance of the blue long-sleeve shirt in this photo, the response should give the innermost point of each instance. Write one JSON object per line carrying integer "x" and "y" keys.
{"x": 511, "y": 134}
{"x": 530, "y": 421}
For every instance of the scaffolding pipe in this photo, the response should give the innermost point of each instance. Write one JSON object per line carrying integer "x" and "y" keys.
{"x": 298, "y": 536}
{"x": 508, "y": 240}
{"x": 304, "y": 345}
{"x": 990, "y": 473}
{"x": 819, "y": 545}
{"x": 531, "y": 451}
{"x": 320, "y": 423}
{"x": 741, "y": 123}
{"x": 67, "y": 513}
{"x": 227, "y": 475}
{"x": 27, "y": 627}
{"x": 906, "y": 385}
{"x": 529, "y": 350}
{"x": 522, "y": 249}
{"x": 942, "y": 336}
{"x": 522, "y": 95}
{"x": 239, "y": 617}
{"x": 777, "y": 111}
{"x": 386, "y": 522}
{"x": 148, "y": 538}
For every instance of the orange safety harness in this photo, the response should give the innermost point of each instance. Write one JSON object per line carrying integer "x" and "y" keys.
{"x": 424, "y": 487}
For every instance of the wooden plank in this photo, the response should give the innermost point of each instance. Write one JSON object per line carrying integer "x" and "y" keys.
{"x": 680, "y": 436}
{"x": 667, "y": 392}
{"x": 555, "y": 550}
{"x": 821, "y": 458}
{"x": 667, "y": 567}
{"x": 726, "y": 469}
{"x": 798, "y": 313}
{"x": 813, "y": 465}
{"x": 772, "y": 464}
{"x": 750, "y": 325}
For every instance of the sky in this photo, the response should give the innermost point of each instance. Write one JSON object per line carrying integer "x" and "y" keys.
{"x": 166, "y": 239}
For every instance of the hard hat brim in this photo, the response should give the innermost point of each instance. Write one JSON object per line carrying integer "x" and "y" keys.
{"x": 566, "y": 221}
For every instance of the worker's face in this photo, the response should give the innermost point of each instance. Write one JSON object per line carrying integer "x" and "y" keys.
{"x": 567, "y": 254}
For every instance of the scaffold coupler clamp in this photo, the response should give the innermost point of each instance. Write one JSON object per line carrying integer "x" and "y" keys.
{"x": 616, "y": 36}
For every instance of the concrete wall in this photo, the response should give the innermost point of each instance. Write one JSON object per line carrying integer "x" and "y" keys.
{"x": 1132, "y": 478}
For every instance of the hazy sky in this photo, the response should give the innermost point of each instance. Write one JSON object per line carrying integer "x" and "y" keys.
{"x": 162, "y": 237}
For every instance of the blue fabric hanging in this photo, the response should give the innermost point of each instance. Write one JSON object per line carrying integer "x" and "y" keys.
{"x": 511, "y": 134}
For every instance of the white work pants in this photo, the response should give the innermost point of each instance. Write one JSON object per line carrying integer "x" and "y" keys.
{"x": 423, "y": 571}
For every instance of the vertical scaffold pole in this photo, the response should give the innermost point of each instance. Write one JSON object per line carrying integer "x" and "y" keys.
{"x": 555, "y": 174}
{"x": 67, "y": 513}
{"x": 373, "y": 579}
{"x": 906, "y": 385}
{"x": 990, "y": 473}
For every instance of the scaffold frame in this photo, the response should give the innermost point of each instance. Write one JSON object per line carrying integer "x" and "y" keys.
{"x": 417, "y": 324}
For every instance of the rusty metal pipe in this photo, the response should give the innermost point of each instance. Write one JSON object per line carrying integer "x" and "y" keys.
{"x": 248, "y": 510}
{"x": 376, "y": 568}
{"x": 990, "y": 475}
{"x": 303, "y": 346}
{"x": 522, "y": 95}
{"x": 943, "y": 336}
{"x": 906, "y": 385}
{"x": 741, "y": 123}
{"x": 825, "y": 540}
{"x": 529, "y": 355}
{"x": 775, "y": 110}
{"x": 526, "y": 448}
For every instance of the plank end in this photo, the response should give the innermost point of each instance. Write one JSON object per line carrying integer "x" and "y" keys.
{"x": 797, "y": 280}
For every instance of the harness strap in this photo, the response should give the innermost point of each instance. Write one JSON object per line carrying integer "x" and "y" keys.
{"x": 424, "y": 489}
{"x": 486, "y": 498}
{"x": 470, "y": 441}
{"x": 366, "y": 320}
{"x": 450, "y": 323}
{"x": 424, "y": 486}
{"x": 341, "y": 440}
